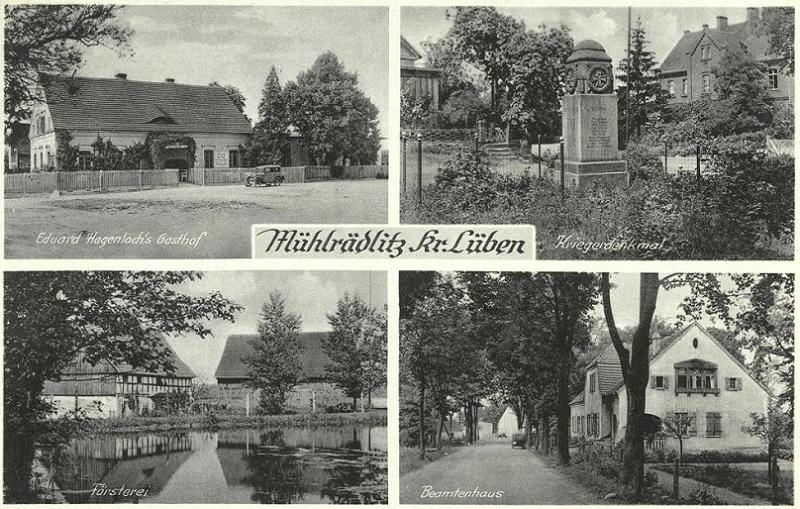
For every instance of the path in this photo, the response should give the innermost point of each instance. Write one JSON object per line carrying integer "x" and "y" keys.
{"x": 490, "y": 467}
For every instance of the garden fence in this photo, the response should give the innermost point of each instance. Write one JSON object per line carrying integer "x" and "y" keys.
{"x": 98, "y": 181}
{"x": 69, "y": 181}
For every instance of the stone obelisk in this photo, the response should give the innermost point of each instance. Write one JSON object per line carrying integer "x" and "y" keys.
{"x": 589, "y": 120}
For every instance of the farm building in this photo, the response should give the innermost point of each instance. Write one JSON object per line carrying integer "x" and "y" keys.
{"x": 109, "y": 389}
{"x": 691, "y": 374}
{"x": 188, "y": 125}
{"x": 314, "y": 391}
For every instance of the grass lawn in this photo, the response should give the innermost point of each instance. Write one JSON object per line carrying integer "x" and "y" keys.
{"x": 753, "y": 483}
{"x": 220, "y": 217}
{"x": 410, "y": 459}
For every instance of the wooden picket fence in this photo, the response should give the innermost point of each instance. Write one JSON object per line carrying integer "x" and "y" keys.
{"x": 17, "y": 184}
{"x": 70, "y": 181}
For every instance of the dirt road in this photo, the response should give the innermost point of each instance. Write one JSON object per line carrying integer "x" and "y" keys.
{"x": 488, "y": 468}
{"x": 216, "y": 219}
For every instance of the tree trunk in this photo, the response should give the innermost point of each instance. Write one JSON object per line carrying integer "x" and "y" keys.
{"x": 563, "y": 399}
{"x": 675, "y": 479}
{"x": 528, "y": 433}
{"x": 636, "y": 384}
{"x": 467, "y": 423}
{"x": 442, "y": 418}
{"x": 422, "y": 422}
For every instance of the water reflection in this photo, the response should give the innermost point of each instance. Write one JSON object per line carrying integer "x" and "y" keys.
{"x": 298, "y": 465}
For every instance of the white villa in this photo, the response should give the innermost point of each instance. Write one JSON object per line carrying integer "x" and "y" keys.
{"x": 690, "y": 373}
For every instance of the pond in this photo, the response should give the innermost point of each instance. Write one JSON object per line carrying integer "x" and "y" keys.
{"x": 272, "y": 466}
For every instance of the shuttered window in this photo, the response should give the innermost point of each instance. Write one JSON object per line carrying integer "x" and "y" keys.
{"x": 713, "y": 424}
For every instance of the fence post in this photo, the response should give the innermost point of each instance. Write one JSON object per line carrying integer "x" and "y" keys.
{"x": 100, "y": 178}
{"x": 561, "y": 150}
{"x": 665, "y": 158}
{"x": 204, "y": 175}
{"x": 698, "y": 162}
{"x": 240, "y": 174}
{"x": 141, "y": 178}
{"x": 419, "y": 167}
{"x": 404, "y": 137}
{"x": 24, "y": 184}
{"x": 540, "y": 156}
{"x": 476, "y": 142}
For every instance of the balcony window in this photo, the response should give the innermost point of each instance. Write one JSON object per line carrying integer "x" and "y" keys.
{"x": 696, "y": 376}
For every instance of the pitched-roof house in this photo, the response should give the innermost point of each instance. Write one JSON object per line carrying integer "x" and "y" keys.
{"x": 118, "y": 388}
{"x": 126, "y": 111}
{"x": 314, "y": 390}
{"x": 688, "y": 71}
{"x": 690, "y": 373}
{"x": 418, "y": 80}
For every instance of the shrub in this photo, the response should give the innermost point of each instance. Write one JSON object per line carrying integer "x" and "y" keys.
{"x": 337, "y": 172}
{"x": 644, "y": 162}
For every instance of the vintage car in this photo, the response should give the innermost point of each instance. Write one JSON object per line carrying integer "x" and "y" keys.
{"x": 518, "y": 440}
{"x": 269, "y": 175}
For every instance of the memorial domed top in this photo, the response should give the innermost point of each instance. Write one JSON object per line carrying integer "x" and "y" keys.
{"x": 588, "y": 50}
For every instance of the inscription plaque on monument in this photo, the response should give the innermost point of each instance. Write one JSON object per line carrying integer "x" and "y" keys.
{"x": 589, "y": 119}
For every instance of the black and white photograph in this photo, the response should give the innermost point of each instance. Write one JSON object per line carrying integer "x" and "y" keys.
{"x": 158, "y": 131}
{"x": 620, "y": 133}
{"x": 188, "y": 387}
{"x": 596, "y": 388}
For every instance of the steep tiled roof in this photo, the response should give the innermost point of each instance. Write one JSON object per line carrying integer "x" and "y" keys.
{"x": 736, "y": 36}
{"x": 577, "y": 399}
{"x": 114, "y": 104}
{"x": 80, "y": 366}
{"x": 237, "y": 348}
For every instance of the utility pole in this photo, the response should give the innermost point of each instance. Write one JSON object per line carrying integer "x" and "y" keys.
{"x": 628, "y": 85}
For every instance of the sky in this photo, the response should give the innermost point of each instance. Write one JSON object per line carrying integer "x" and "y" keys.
{"x": 625, "y": 301}
{"x": 608, "y": 26}
{"x": 237, "y": 45}
{"x": 311, "y": 294}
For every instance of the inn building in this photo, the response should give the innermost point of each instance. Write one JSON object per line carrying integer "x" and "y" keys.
{"x": 126, "y": 111}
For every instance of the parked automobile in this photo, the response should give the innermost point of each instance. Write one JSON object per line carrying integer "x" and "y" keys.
{"x": 269, "y": 175}
{"x": 518, "y": 440}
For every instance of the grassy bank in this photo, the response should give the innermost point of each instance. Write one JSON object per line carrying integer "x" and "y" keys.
{"x": 215, "y": 422}
{"x": 751, "y": 483}
{"x": 410, "y": 460}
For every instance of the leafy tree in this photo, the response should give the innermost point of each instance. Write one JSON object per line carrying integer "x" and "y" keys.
{"x": 50, "y": 39}
{"x": 121, "y": 317}
{"x": 456, "y": 77}
{"x": 481, "y": 37}
{"x": 772, "y": 429}
{"x": 678, "y": 425}
{"x": 643, "y": 96}
{"x": 332, "y": 113}
{"x": 742, "y": 96}
{"x": 414, "y": 111}
{"x": 777, "y": 24}
{"x": 533, "y": 91}
{"x": 106, "y": 155}
{"x": 275, "y": 364}
{"x": 356, "y": 347}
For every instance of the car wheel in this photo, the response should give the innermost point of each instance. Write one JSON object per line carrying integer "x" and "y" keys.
{"x": 248, "y": 182}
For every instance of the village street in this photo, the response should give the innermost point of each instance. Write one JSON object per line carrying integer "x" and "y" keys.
{"x": 491, "y": 466}
{"x": 220, "y": 215}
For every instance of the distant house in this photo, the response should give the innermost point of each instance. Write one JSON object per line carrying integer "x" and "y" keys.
{"x": 18, "y": 148}
{"x": 691, "y": 373}
{"x": 418, "y": 80}
{"x": 314, "y": 390}
{"x": 687, "y": 73}
{"x": 126, "y": 111}
{"x": 508, "y": 423}
{"x": 109, "y": 389}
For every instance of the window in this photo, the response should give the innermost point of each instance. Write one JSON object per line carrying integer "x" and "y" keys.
{"x": 233, "y": 159}
{"x": 84, "y": 160}
{"x": 684, "y": 87}
{"x": 671, "y": 87}
{"x": 706, "y": 84}
{"x": 705, "y": 52}
{"x": 713, "y": 425}
{"x": 659, "y": 382}
{"x": 772, "y": 78}
{"x": 592, "y": 378}
{"x": 733, "y": 384}
{"x": 40, "y": 125}
{"x": 208, "y": 158}
{"x": 696, "y": 376}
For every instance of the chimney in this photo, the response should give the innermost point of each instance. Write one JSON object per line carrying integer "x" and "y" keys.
{"x": 687, "y": 32}
{"x": 752, "y": 14}
{"x": 121, "y": 75}
{"x": 705, "y": 27}
{"x": 655, "y": 342}
{"x": 170, "y": 80}
{"x": 722, "y": 23}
